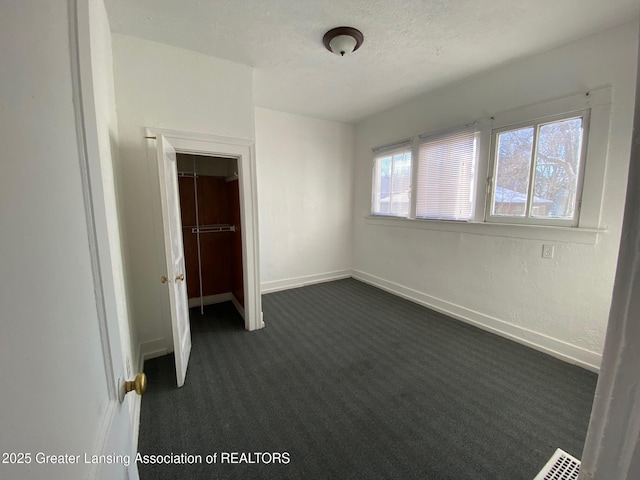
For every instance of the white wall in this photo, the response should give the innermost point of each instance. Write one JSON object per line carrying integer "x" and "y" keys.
{"x": 305, "y": 177}
{"x": 165, "y": 87}
{"x": 499, "y": 282}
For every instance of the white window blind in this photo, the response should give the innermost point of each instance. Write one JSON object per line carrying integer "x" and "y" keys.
{"x": 446, "y": 169}
{"x": 392, "y": 179}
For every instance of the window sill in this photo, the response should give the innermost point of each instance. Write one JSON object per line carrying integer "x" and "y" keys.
{"x": 586, "y": 236}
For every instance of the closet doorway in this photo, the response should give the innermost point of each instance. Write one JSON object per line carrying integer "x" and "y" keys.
{"x": 211, "y": 230}
{"x": 166, "y": 144}
{"x": 175, "y": 312}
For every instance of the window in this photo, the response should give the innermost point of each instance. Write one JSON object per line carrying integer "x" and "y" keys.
{"x": 446, "y": 173}
{"x": 392, "y": 179}
{"x": 529, "y": 166}
{"x": 537, "y": 171}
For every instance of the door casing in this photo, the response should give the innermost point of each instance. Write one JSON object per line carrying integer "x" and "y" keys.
{"x": 244, "y": 151}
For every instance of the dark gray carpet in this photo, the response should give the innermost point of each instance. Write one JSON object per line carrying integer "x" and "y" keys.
{"x": 355, "y": 383}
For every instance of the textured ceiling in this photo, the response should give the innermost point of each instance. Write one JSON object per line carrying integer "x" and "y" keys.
{"x": 410, "y": 46}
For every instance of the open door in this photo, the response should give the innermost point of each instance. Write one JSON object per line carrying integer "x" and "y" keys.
{"x": 174, "y": 252}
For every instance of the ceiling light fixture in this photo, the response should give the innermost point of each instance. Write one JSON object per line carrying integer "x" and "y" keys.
{"x": 343, "y": 40}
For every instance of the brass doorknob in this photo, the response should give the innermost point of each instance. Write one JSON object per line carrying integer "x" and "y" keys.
{"x": 139, "y": 384}
{"x": 163, "y": 279}
{"x": 180, "y": 277}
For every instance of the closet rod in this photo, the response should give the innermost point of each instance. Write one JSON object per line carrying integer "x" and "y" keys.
{"x": 213, "y": 228}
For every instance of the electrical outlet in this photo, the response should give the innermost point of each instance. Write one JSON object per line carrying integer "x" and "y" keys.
{"x": 548, "y": 251}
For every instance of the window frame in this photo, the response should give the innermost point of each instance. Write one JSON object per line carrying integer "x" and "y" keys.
{"x": 389, "y": 150}
{"x": 536, "y": 124}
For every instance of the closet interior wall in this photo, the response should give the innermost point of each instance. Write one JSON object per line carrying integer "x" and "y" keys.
{"x": 211, "y": 228}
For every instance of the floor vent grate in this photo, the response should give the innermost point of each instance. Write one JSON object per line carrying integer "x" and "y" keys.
{"x": 561, "y": 466}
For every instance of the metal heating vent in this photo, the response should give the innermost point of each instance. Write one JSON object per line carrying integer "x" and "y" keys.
{"x": 561, "y": 466}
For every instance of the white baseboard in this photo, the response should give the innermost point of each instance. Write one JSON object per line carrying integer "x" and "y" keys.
{"x": 219, "y": 298}
{"x": 152, "y": 349}
{"x": 210, "y": 299}
{"x": 236, "y": 304}
{"x": 556, "y": 348}
{"x": 286, "y": 284}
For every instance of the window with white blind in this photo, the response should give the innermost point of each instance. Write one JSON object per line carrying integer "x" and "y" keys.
{"x": 524, "y": 167}
{"x": 446, "y": 174}
{"x": 392, "y": 179}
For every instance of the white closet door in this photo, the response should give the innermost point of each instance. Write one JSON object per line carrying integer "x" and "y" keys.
{"x": 174, "y": 251}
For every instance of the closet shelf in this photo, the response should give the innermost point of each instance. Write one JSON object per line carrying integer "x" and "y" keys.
{"x": 213, "y": 228}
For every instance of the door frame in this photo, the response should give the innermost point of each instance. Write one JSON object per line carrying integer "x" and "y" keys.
{"x": 244, "y": 151}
